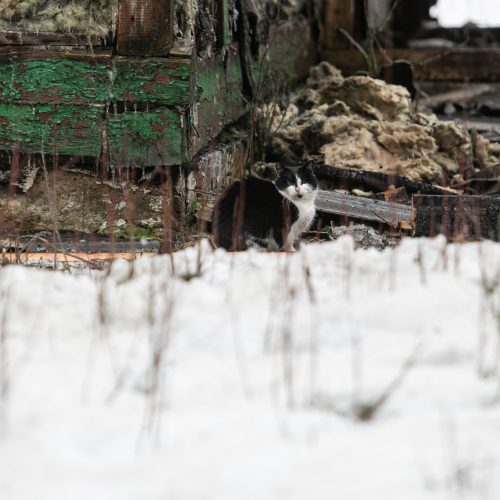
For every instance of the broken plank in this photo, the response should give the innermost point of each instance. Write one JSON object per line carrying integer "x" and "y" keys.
{"x": 457, "y": 217}
{"x": 392, "y": 214}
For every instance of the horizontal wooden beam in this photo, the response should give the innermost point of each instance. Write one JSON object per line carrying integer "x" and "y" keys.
{"x": 64, "y": 129}
{"x": 11, "y": 53}
{"x": 160, "y": 81}
{"x": 429, "y": 64}
{"x": 69, "y": 39}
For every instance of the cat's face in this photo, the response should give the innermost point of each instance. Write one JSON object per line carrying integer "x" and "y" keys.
{"x": 296, "y": 184}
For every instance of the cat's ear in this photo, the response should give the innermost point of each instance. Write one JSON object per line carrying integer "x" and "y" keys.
{"x": 266, "y": 171}
{"x": 309, "y": 166}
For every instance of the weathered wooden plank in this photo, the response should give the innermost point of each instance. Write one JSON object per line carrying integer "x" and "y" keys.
{"x": 392, "y": 214}
{"x": 461, "y": 217}
{"x": 429, "y": 64}
{"x": 144, "y": 27}
{"x": 51, "y": 129}
{"x": 11, "y": 53}
{"x": 136, "y": 139}
{"x": 160, "y": 81}
{"x": 155, "y": 81}
{"x": 29, "y": 38}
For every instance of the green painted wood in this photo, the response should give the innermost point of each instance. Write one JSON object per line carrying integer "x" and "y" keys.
{"x": 174, "y": 106}
{"x": 50, "y": 129}
{"x": 157, "y": 81}
{"x": 224, "y": 27}
{"x": 218, "y": 99}
{"x": 151, "y": 138}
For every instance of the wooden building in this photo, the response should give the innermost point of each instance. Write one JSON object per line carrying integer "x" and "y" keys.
{"x": 137, "y": 98}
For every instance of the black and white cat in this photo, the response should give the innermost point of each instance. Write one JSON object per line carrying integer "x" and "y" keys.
{"x": 270, "y": 211}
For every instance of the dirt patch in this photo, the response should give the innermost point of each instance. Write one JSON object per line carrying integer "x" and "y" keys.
{"x": 75, "y": 202}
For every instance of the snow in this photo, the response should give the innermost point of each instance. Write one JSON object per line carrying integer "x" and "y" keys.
{"x": 456, "y": 13}
{"x": 242, "y": 376}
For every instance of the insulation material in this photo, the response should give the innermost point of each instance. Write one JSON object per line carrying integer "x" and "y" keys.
{"x": 93, "y": 17}
{"x": 362, "y": 123}
{"x": 184, "y": 20}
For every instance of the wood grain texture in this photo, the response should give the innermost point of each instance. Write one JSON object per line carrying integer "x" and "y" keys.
{"x": 69, "y": 39}
{"x": 145, "y": 27}
{"x": 339, "y": 14}
{"x": 392, "y": 214}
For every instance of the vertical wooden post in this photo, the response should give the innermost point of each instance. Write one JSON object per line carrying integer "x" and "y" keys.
{"x": 223, "y": 29}
{"x": 339, "y": 15}
{"x": 144, "y": 27}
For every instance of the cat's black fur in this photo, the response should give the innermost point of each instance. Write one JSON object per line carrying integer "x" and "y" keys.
{"x": 257, "y": 212}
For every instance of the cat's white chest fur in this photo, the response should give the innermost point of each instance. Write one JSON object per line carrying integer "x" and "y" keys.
{"x": 307, "y": 211}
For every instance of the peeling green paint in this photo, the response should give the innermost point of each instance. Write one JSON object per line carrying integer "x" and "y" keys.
{"x": 152, "y": 111}
{"x": 48, "y": 128}
{"x": 154, "y": 138}
{"x": 226, "y": 29}
{"x": 160, "y": 82}
{"x": 218, "y": 98}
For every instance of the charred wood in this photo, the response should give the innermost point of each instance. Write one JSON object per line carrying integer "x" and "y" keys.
{"x": 348, "y": 179}
{"x": 457, "y": 217}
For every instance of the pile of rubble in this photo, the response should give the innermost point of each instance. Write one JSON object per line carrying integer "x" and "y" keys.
{"x": 363, "y": 123}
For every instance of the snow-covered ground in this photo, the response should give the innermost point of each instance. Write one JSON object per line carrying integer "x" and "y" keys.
{"x": 327, "y": 374}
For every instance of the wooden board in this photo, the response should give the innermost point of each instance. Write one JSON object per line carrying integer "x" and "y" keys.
{"x": 429, "y": 64}
{"x": 145, "y": 27}
{"x": 66, "y": 39}
{"x": 392, "y": 214}
{"x": 155, "y": 81}
{"x": 51, "y": 129}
